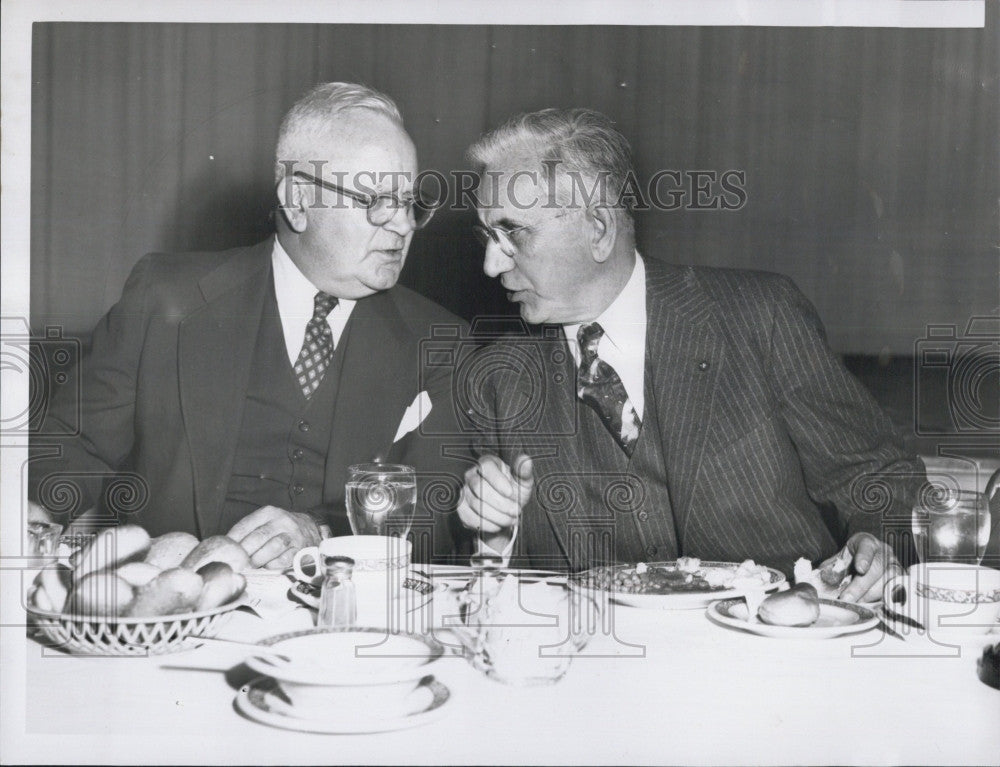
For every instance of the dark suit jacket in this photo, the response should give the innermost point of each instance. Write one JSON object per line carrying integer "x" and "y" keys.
{"x": 772, "y": 449}
{"x": 164, "y": 384}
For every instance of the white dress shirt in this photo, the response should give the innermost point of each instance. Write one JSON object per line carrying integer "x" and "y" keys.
{"x": 295, "y": 295}
{"x": 623, "y": 346}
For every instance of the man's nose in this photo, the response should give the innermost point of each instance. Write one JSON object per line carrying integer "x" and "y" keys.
{"x": 401, "y": 222}
{"x": 496, "y": 262}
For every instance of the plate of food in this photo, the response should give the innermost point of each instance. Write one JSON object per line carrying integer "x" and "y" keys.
{"x": 685, "y": 583}
{"x": 799, "y": 613}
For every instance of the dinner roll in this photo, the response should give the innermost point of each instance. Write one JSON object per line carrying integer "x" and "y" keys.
{"x": 111, "y": 547}
{"x": 218, "y": 548}
{"x": 169, "y": 593}
{"x": 222, "y": 585}
{"x": 51, "y": 587}
{"x": 137, "y": 573}
{"x": 799, "y": 606}
{"x": 168, "y": 550}
{"x": 102, "y": 595}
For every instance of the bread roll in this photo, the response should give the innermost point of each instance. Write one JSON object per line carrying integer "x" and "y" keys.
{"x": 110, "y": 548}
{"x": 137, "y": 573}
{"x": 222, "y": 585}
{"x": 218, "y": 548}
{"x": 169, "y": 593}
{"x": 51, "y": 587}
{"x": 102, "y": 595}
{"x": 799, "y": 606}
{"x": 168, "y": 550}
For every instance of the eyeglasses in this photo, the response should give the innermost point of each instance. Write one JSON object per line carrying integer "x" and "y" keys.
{"x": 502, "y": 235}
{"x": 381, "y": 208}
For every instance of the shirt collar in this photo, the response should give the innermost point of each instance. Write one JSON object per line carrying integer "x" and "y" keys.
{"x": 625, "y": 319}
{"x": 292, "y": 289}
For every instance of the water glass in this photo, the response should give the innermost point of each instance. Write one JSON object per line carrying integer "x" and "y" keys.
{"x": 951, "y": 525}
{"x": 381, "y": 498}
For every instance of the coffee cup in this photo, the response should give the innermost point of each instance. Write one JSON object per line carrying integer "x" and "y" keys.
{"x": 371, "y": 554}
{"x": 947, "y": 598}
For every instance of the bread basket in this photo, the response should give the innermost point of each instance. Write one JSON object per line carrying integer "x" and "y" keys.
{"x": 101, "y": 635}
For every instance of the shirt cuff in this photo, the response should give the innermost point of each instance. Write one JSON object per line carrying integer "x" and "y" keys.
{"x": 483, "y": 548}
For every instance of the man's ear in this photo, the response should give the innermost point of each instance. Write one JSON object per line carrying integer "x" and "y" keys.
{"x": 603, "y": 232}
{"x": 292, "y": 202}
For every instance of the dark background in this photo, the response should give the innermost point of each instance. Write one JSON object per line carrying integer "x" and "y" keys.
{"x": 871, "y": 155}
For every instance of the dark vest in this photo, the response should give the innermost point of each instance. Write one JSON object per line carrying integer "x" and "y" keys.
{"x": 625, "y": 513}
{"x": 284, "y": 438}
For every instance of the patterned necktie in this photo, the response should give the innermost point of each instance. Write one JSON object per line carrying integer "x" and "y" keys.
{"x": 317, "y": 347}
{"x": 598, "y": 385}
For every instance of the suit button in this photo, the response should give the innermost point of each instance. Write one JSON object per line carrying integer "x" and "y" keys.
{"x": 643, "y": 516}
{"x": 297, "y": 454}
{"x": 651, "y": 551}
{"x": 303, "y": 425}
{"x": 298, "y": 489}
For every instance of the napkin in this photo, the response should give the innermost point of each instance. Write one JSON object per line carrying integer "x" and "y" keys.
{"x": 267, "y": 594}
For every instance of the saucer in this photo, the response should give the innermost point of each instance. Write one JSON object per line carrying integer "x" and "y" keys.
{"x": 261, "y": 701}
{"x": 836, "y": 618}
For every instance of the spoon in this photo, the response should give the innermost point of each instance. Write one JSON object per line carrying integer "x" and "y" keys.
{"x": 263, "y": 653}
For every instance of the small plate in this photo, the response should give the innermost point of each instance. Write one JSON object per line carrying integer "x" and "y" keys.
{"x": 836, "y": 618}
{"x": 329, "y": 656}
{"x": 262, "y": 701}
{"x": 309, "y": 593}
{"x": 679, "y": 600}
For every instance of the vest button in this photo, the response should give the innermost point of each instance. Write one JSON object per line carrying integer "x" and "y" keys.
{"x": 643, "y": 516}
{"x": 303, "y": 425}
{"x": 298, "y": 489}
{"x": 297, "y": 454}
{"x": 651, "y": 551}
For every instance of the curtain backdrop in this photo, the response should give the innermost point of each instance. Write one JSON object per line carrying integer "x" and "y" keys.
{"x": 871, "y": 155}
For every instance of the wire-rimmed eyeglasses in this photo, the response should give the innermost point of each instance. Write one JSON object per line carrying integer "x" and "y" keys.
{"x": 502, "y": 235}
{"x": 381, "y": 208}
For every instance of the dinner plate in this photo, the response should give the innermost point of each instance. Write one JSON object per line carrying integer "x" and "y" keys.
{"x": 262, "y": 701}
{"x": 332, "y": 656}
{"x": 836, "y": 618}
{"x": 680, "y": 600}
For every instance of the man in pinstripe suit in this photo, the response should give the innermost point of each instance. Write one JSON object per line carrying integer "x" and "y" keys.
{"x": 660, "y": 410}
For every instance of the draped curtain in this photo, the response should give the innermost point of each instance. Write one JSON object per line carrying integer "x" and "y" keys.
{"x": 870, "y": 155}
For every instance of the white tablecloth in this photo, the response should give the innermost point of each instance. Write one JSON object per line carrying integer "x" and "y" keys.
{"x": 664, "y": 687}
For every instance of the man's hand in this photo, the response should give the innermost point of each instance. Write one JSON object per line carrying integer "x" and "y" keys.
{"x": 493, "y": 496}
{"x": 872, "y": 563}
{"x": 271, "y": 536}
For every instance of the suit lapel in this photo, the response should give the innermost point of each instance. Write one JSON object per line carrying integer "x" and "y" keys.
{"x": 379, "y": 355}
{"x": 685, "y": 356}
{"x": 215, "y": 351}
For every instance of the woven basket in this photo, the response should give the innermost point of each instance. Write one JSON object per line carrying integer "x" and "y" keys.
{"x": 90, "y": 635}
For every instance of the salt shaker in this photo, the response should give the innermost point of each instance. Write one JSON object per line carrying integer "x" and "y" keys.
{"x": 337, "y": 603}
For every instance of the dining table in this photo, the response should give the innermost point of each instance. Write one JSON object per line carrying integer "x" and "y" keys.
{"x": 651, "y": 686}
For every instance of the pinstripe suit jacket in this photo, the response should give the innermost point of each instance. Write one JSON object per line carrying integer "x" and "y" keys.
{"x": 772, "y": 449}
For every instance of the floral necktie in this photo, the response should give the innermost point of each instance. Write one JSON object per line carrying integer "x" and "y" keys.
{"x": 598, "y": 385}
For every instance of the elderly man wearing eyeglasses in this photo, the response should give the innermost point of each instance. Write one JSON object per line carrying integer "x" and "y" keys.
{"x": 233, "y": 389}
{"x": 659, "y": 410}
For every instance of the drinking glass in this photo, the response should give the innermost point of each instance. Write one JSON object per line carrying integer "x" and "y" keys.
{"x": 950, "y": 524}
{"x": 381, "y": 498}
